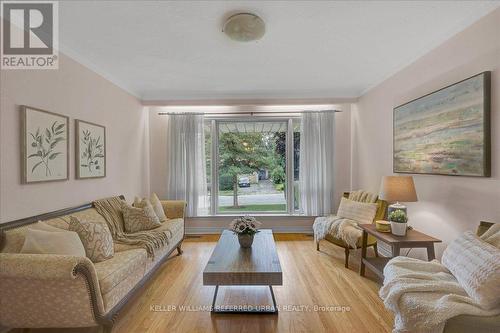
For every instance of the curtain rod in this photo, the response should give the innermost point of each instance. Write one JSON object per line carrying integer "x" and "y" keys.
{"x": 251, "y": 113}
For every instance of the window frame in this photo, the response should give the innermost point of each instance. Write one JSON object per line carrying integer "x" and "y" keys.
{"x": 214, "y": 159}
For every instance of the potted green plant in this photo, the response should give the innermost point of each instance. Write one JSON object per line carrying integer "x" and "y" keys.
{"x": 399, "y": 222}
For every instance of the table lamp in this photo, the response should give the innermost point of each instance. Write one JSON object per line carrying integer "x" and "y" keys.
{"x": 397, "y": 189}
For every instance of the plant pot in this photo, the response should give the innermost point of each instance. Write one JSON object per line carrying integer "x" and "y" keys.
{"x": 245, "y": 240}
{"x": 398, "y": 229}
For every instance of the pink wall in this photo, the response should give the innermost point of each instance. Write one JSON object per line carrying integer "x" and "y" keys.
{"x": 447, "y": 205}
{"x": 77, "y": 92}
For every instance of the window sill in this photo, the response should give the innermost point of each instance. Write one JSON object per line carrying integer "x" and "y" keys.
{"x": 254, "y": 214}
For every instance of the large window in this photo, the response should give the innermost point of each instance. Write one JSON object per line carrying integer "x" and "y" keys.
{"x": 252, "y": 165}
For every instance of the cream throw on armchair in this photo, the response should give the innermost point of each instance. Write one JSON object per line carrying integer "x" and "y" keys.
{"x": 359, "y": 208}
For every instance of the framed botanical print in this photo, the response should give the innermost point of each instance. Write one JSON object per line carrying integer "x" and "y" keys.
{"x": 90, "y": 150}
{"x": 44, "y": 146}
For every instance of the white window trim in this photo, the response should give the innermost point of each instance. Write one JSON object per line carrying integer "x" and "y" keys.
{"x": 214, "y": 166}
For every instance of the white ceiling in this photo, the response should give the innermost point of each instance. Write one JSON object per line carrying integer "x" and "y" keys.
{"x": 175, "y": 50}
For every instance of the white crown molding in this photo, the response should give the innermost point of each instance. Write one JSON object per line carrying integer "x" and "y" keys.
{"x": 70, "y": 53}
{"x": 254, "y": 103}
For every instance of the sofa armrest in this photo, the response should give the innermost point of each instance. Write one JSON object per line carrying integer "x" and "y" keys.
{"x": 45, "y": 290}
{"x": 41, "y": 266}
{"x": 174, "y": 209}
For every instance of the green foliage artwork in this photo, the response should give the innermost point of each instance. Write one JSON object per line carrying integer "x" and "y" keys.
{"x": 91, "y": 150}
{"x": 92, "y": 153}
{"x": 44, "y": 143}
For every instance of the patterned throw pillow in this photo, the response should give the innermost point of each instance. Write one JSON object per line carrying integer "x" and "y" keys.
{"x": 358, "y": 211}
{"x": 155, "y": 202}
{"x": 138, "y": 219}
{"x": 96, "y": 238}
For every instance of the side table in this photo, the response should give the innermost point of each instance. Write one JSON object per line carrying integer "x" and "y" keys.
{"x": 413, "y": 239}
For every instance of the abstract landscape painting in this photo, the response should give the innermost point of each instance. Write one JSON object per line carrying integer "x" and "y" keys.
{"x": 44, "y": 145}
{"x": 445, "y": 132}
{"x": 90, "y": 150}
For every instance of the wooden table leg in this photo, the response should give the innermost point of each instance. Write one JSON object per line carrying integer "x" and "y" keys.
{"x": 395, "y": 250}
{"x": 363, "y": 253}
{"x": 430, "y": 252}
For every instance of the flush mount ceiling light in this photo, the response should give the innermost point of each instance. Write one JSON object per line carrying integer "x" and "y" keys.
{"x": 244, "y": 27}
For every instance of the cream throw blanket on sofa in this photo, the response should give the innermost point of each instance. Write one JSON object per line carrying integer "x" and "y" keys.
{"x": 423, "y": 295}
{"x": 150, "y": 240}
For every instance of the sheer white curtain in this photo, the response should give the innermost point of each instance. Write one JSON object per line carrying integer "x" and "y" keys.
{"x": 316, "y": 164}
{"x": 186, "y": 175}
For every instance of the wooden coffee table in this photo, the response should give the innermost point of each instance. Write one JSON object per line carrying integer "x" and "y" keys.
{"x": 413, "y": 239}
{"x": 232, "y": 265}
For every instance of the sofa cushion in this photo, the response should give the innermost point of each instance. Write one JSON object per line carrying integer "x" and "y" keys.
{"x": 14, "y": 238}
{"x": 138, "y": 219}
{"x": 53, "y": 242}
{"x": 96, "y": 238}
{"x": 476, "y": 266}
{"x": 89, "y": 214}
{"x": 174, "y": 229}
{"x": 155, "y": 203}
{"x": 113, "y": 271}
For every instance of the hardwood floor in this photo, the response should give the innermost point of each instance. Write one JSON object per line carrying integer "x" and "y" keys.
{"x": 309, "y": 278}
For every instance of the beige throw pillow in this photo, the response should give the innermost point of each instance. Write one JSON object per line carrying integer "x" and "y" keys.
{"x": 155, "y": 202}
{"x": 96, "y": 238}
{"x": 492, "y": 235}
{"x": 138, "y": 219}
{"x": 476, "y": 266}
{"x": 158, "y": 207}
{"x": 52, "y": 242}
{"x": 358, "y": 211}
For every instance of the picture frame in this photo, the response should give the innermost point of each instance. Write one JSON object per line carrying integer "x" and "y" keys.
{"x": 446, "y": 132}
{"x": 44, "y": 146}
{"x": 90, "y": 150}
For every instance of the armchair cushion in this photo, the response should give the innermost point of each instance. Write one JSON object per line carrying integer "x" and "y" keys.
{"x": 358, "y": 211}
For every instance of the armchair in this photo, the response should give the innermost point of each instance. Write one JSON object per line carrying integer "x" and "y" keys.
{"x": 372, "y": 241}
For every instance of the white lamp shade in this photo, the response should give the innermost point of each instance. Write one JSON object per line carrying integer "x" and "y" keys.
{"x": 398, "y": 188}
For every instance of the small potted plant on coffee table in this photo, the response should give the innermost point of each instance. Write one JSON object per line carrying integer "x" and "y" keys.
{"x": 245, "y": 227}
{"x": 399, "y": 222}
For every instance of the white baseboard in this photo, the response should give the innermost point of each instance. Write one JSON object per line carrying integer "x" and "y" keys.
{"x": 278, "y": 229}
